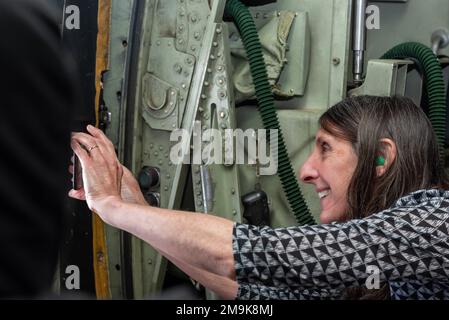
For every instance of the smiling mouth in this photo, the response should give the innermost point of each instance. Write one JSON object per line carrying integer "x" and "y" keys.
{"x": 323, "y": 194}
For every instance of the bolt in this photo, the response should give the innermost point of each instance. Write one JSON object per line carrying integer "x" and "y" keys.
{"x": 181, "y": 28}
{"x": 215, "y": 44}
{"x": 183, "y": 86}
{"x": 206, "y": 83}
{"x": 161, "y": 148}
{"x": 180, "y": 41}
{"x": 209, "y": 70}
{"x": 292, "y": 91}
{"x": 224, "y": 126}
{"x": 197, "y": 35}
{"x": 222, "y": 114}
{"x": 212, "y": 57}
{"x": 189, "y": 60}
{"x": 336, "y": 61}
{"x": 168, "y": 176}
{"x": 166, "y": 188}
{"x": 218, "y": 30}
{"x": 194, "y": 19}
{"x": 156, "y": 154}
{"x": 203, "y": 96}
{"x": 151, "y": 146}
{"x": 100, "y": 257}
{"x": 178, "y": 68}
{"x": 220, "y": 81}
{"x": 232, "y": 191}
{"x": 234, "y": 212}
{"x": 158, "y": 43}
{"x": 172, "y": 93}
{"x": 150, "y": 262}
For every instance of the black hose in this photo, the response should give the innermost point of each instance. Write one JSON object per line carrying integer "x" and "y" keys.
{"x": 435, "y": 86}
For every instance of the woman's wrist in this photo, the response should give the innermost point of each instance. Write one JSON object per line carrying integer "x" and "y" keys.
{"x": 108, "y": 208}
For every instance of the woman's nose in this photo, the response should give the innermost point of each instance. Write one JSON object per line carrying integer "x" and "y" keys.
{"x": 308, "y": 172}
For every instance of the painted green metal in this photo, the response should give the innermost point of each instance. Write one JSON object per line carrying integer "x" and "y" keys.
{"x": 114, "y": 95}
{"x": 394, "y": 72}
{"x": 183, "y": 46}
{"x": 265, "y": 97}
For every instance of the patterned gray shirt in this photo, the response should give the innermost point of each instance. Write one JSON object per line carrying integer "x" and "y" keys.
{"x": 408, "y": 243}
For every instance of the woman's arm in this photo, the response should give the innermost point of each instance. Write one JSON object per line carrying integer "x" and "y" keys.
{"x": 201, "y": 241}
{"x": 224, "y": 287}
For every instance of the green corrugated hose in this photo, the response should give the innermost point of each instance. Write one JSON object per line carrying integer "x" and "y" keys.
{"x": 435, "y": 84}
{"x": 245, "y": 23}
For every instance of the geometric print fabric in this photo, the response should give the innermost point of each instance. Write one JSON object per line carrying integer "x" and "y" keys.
{"x": 409, "y": 243}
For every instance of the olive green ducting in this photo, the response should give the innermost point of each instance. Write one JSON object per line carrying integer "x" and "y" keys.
{"x": 245, "y": 23}
{"x": 435, "y": 86}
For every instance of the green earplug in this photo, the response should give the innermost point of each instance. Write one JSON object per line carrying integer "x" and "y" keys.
{"x": 380, "y": 161}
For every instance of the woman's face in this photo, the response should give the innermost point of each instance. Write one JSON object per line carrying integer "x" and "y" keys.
{"x": 330, "y": 168}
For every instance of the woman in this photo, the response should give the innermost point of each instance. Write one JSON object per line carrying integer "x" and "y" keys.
{"x": 375, "y": 161}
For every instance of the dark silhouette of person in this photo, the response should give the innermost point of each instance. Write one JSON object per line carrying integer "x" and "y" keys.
{"x": 37, "y": 96}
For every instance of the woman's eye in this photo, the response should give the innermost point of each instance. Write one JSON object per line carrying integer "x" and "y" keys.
{"x": 325, "y": 146}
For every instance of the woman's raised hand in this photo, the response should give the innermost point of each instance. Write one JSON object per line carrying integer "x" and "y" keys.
{"x": 102, "y": 173}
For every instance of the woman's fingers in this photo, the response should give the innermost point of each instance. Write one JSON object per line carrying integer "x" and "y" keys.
{"x": 86, "y": 140}
{"x": 82, "y": 154}
{"x": 78, "y": 194}
{"x": 97, "y": 133}
{"x": 106, "y": 145}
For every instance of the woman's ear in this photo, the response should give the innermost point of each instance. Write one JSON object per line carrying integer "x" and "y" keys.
{"x": 387, "y": 155}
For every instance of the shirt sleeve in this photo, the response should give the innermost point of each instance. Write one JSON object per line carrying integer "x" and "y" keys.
{"x": 406, "y": 243}
{"x": 258, "y": 292}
